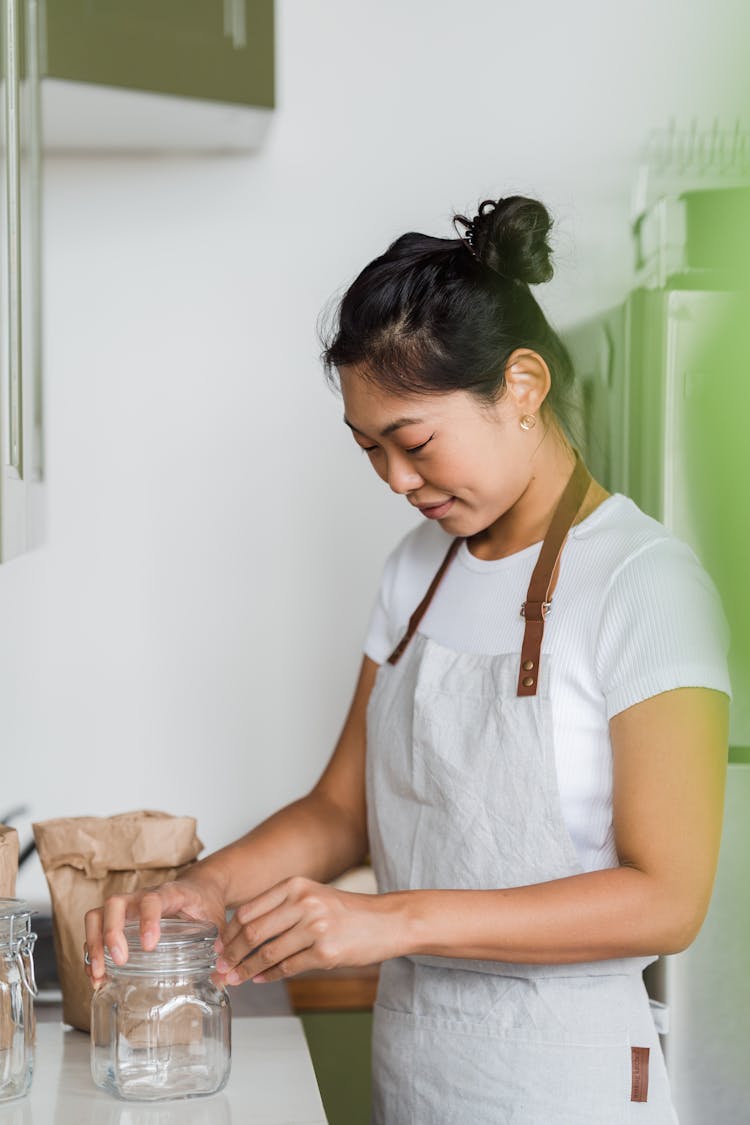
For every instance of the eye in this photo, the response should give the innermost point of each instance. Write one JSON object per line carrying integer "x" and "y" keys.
{"x": 417, "y": 448}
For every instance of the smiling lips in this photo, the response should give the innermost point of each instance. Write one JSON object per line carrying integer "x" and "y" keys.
{"x": 437, "y": 511}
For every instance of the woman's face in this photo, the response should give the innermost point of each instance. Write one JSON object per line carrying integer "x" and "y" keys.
{"x": 457, "y": 460}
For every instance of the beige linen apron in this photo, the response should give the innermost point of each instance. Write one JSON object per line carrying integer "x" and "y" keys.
{"x": 462, "y": 793}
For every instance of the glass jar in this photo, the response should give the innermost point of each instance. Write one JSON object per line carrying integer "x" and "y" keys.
{"x": 160, "y": 1027}
{"x": 17, "y": 992}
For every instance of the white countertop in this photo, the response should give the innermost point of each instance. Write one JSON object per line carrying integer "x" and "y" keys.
{"x": 272, "y": 1083}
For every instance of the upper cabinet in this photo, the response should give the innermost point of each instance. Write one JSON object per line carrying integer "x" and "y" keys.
{"x": 156, "y": 74}
{"x": 101, "y": 75}
{"x": 221, "y": 50}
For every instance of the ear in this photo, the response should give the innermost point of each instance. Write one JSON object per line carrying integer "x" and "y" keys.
{"x": 527, "y": 380}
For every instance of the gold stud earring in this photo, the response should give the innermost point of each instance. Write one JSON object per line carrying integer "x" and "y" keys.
{"x": 527, "y": 422}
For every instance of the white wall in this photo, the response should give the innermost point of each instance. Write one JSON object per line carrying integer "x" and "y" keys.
{"x": 189, "y": 637}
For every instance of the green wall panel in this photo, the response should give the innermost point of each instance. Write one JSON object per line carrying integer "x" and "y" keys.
{"x": 178, "y": 47}
{"x": 339, "y": 1044}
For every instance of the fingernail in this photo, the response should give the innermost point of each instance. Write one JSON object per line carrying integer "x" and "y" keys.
{"x": 260, "y": 979}
{"x": 218, "y": 946}
{"x": 234, "y": 977}
{"x": 221, "y": 966}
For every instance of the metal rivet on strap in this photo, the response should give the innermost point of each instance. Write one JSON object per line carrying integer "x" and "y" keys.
{"x": 528, "y": 665}
{"x": 528, "y": 681}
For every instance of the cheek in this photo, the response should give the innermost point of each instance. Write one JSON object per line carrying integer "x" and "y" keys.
{"x": 468, "y": 469}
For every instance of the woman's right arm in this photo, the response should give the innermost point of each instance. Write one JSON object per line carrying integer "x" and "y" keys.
{"x": 319, "y": 836}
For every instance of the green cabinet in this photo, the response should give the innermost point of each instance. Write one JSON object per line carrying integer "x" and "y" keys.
{"x": 218, "y": 50}
{"x": 156, "y": 75}
{"x": 339, "y": 1045}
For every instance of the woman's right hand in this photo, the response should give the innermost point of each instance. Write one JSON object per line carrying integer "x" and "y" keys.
{"x": 193, "y": 897}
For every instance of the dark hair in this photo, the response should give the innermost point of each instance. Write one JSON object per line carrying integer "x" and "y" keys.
{"x": 434, "y": 315}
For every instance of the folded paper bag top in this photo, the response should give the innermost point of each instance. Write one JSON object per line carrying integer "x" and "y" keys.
{"x": 129, "y": 841}
{"x": 8, "y": 861}
{"x": 88, "y": 858}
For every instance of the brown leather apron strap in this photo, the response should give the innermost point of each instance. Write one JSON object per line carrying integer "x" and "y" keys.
{"x": 539, "y": 596}
{"x": 424, "y": 605}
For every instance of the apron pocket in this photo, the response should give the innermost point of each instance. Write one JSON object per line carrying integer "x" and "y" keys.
{"x": 427, "y": 1074}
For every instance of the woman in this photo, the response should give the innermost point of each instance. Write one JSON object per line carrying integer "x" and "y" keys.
{"x": 536, "y": 747}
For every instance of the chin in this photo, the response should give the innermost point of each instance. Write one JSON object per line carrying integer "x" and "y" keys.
{"x": 459, "y": 525}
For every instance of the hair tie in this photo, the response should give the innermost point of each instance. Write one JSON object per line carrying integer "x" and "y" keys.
{"x": 468, "y": 237}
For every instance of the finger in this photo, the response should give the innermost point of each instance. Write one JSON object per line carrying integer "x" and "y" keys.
{"x": 253, "y": 909}
{"x": 156, "y": 904}
{"x": 299, "y": 963}
{"x": 94, "y": 943}
{"x": 257, "y": 931}
{"x": 116, "y": 909}
{"x": 87, "y": 965}
{"x": 271, "y": 955}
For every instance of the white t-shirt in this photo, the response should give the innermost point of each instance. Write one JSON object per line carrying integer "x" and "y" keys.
{"x": 634, "y": 614}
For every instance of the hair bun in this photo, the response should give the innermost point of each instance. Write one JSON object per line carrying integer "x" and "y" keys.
{"x": 510, "y": 237}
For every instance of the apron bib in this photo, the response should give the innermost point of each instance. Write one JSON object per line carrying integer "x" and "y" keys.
{"x": 462, "y": 793}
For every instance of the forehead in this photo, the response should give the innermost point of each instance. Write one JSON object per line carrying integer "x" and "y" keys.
{"x": 367, "y": 406}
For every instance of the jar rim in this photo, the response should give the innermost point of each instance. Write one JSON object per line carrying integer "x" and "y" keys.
{"x": 12, "y": 907}
{"x": 175, "y": 933}
{"x": 181, "y": 942}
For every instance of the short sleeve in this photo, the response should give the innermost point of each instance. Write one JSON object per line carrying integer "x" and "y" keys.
{"x": 380, "y": 639}
{"x": 407, "y": 573}
{"x": 662, "y": 627}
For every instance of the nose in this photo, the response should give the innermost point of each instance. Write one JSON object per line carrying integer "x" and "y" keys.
{"x": 401, "y": 476}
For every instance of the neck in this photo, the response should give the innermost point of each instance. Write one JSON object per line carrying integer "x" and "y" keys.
{"x": 527, "y": 520}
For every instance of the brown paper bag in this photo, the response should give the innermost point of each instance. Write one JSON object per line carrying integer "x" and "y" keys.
{"x": 8, "y": 861}
{"x": 88, "y": 858}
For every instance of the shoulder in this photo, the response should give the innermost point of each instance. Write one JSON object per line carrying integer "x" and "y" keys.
{"x": 617, "y": 532}
{"x": 410, "y": 568}
{"x": 407, "y": 573}
{"x": 619, "y": 550}
{"x": 660, "y": 623}
{"x": 629, "y": 547}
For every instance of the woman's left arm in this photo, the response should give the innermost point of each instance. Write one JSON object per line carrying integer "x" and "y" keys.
{"x": 670, "y": 754}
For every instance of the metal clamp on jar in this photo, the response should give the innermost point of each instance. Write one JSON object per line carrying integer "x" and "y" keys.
{"x": 160, "y": 1027}
{"x": 17, "y": 992}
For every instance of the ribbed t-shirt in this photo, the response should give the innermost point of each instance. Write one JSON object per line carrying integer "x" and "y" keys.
{"x": 634, "y": 614}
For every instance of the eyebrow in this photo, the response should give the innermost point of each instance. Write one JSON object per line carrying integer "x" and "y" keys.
{"x": 397, "y": 425}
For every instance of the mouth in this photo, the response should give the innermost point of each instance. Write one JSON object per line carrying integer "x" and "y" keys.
{"x": 437, "y": 511}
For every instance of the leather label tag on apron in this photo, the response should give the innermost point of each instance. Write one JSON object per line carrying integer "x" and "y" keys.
{"x": 639, "y": 1074}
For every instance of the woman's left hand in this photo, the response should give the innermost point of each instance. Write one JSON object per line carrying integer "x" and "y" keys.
{"x": 300, "y": 925}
